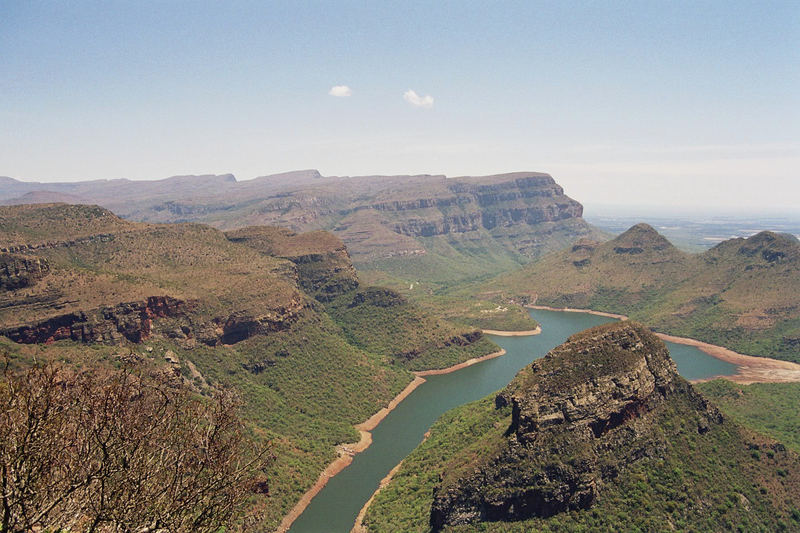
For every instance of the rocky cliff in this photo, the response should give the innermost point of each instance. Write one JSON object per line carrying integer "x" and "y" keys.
{"x": 392, "y": 220}
{"x": 17, "y": 271}
{"x": 321, "y": 260}
{"x": 130, "y": 320}
{"x": 580, "y": 416}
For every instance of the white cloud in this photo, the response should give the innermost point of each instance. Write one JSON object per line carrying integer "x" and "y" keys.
{"x": 340, "y": 90}
{"x": 414, "y": 99}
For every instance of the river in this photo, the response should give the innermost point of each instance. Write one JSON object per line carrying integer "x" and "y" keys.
{"x": 335, "y": 508}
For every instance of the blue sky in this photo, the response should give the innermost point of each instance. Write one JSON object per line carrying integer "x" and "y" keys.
{"x": 645, "y": 102}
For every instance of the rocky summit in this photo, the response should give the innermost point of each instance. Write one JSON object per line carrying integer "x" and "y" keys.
{"x": 580, "y": 416}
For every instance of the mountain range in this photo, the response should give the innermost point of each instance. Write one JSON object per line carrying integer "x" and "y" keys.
{"x": 425, "y": 227}
{"x": 742, "y": 293}
{"x": 251, "y": 286}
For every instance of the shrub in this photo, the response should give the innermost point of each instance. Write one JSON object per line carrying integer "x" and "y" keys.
{"x": 111, "y": 450}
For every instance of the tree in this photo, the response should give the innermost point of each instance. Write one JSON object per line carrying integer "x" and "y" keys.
{"x": 118, "y": 451}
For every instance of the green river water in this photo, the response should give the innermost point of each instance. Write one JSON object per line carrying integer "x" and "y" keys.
{"x": 335, "y": 508}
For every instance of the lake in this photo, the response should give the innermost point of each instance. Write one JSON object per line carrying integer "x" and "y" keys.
{"x": 336, "y": 507}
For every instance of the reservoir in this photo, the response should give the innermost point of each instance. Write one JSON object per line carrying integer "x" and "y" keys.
{"x": 335, "y": 508}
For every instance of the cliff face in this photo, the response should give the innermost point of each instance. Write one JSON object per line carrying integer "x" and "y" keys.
{"x": 322, "y": 263}
{"x": 580, "y": 416}
{"x": 470, "y": 204}
{"x": 131, "y": 320}
{"x": 400, "y": 219}
{"x": 17, "y": 271}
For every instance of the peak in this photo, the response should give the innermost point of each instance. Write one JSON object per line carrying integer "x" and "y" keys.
{"x": 586, "y": 411}
{"x": 608, "y": 351}
{"x": 642, "y": 228}
{"x": 639, "y": 238}
{"x": 770, "y": 246}
{"x": 768, "y": 238}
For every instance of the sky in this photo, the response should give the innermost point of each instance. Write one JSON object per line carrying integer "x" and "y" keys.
{"x": 644, "y": 103}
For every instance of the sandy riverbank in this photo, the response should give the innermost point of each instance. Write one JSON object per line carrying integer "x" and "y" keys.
{"x": 358, "y": 527}
{"x": 347, "y": 451}
{"x": 465, "y": 364}
{"x": 573, "y": 310}
{"x": 502, "y": 333}
{"x": 751, "y": 369}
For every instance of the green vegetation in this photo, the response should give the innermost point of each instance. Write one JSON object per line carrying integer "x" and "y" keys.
{"x": 769, "y": 408}
{"x": 708, "y": 482}
{"x": 405, "y": 503}
{"x": 674, "y": 464}
{"x": 456, "y": 303}
{"x": 283, "y": 332}
{"x": 382, "y": 321}
{"x": 452, "y": 260}
{"x": 481, "y": 314}
{"x": 741, "y": 294}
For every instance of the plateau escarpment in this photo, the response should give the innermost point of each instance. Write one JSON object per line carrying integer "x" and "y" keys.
{"x": 375, "y": 318}
{"x": 601, "y": 434}
{"x": 742, "y": 294}
{"x": 131, "y": 320}
{"x": 279, "y": 317}
{"x": 425, "y": 227}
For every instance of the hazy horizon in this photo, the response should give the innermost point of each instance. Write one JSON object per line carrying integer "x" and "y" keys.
{"x": 692, "y": 105}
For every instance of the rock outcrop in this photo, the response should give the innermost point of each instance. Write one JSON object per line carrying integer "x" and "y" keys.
{"x": 131, "y": 320}
{"x": 137, "y": 321}
{"x": 580, "y": 416}
{"x": 321, "y": 260}
{"x": 18, "y": 271}
{"x": 240, "y": 326}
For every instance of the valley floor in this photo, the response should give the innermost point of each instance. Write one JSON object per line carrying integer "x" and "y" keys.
{"x": 347, "y": 451}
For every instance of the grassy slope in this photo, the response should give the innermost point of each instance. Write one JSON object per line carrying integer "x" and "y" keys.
{"x": 769, "y": 408}
{"x": 303, "y": 387}
{"x": 725, "y": 479}
{"x": 37, "y": 224}
{"x": 386, "y": 323}
{"x": 457, "y": 258}
{"x": 456, "y": 303}
{"x": 736, "y": 294}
